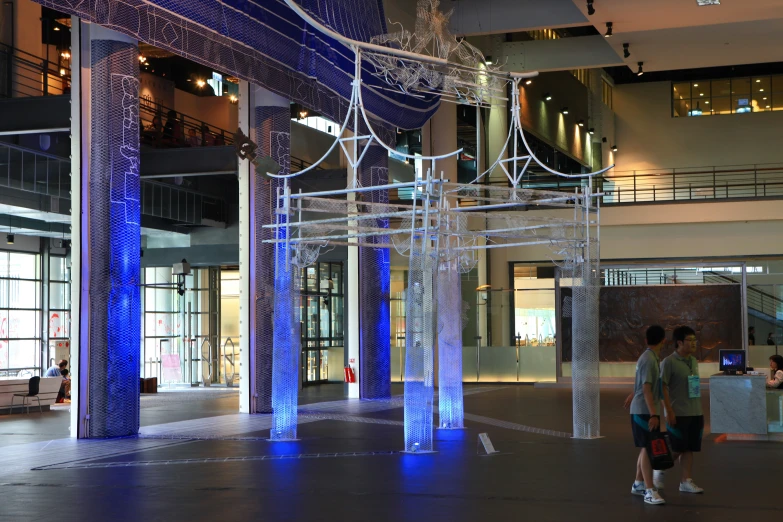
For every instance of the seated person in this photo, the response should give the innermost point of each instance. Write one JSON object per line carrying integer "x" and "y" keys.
{"x": 193, "y": 140}
{"x": 56, "y": 371}
{"x": 776, "y": 367}
{"x": 65, "y": 388}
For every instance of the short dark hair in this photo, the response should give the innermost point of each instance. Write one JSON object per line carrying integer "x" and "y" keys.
{"x": 655, "y": 334}
{"x": 778, "y": 360}
{"x": 681, "y": 332}
{"x": 751, "y": 328}
{"x": 64, "y": 372}
{"x": 63, "y": 363}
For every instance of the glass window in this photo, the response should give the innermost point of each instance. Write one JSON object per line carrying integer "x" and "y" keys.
{"x": 20, "y": 312}
{"x": 58, "y": 269}
{"x": 727, "y": 96}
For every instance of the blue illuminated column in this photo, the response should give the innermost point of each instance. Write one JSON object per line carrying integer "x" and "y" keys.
{"x": 106, "y": 233}
{"x": 449, "y": 308}
{"x": 419, "y": 354}
{"x": 374, "y": 281}
{"x": 269, "y": 126}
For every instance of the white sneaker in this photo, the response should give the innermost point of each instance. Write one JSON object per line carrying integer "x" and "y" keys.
{"x": 658, "y": 478}
{"x": 651, "y": 496}
{"x": 689, "y": 487}
{"x": 637, "y": 488}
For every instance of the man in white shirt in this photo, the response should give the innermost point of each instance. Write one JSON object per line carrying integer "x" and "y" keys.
{"x": 56, "y": 371}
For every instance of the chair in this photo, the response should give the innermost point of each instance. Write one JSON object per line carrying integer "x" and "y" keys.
{"x": 32, "y": 393}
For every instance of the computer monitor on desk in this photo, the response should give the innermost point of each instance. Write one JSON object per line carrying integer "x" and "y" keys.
{"x": 732, "y": 361}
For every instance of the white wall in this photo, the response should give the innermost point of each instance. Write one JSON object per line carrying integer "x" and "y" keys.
{"x": 649, "y": 138}
{"x": 217, "y": 111}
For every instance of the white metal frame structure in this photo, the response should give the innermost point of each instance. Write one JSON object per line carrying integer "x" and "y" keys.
{"x": 491, "y": 217}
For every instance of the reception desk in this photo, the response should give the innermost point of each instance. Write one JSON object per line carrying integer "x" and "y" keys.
{"x": 742, "y": 407}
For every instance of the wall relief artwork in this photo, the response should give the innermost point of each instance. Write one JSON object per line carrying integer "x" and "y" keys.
{"x": 714, "y": 311}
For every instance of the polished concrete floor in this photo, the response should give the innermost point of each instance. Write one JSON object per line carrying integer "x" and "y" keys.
{"x": 198, "y": 460}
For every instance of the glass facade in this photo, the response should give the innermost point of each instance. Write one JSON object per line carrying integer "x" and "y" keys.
{"x": 322, "y": 317}
{"x": 727, "y": 96}
{"x": 21, "y": 313}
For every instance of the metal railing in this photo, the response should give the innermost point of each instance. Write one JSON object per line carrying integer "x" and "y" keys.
{"x": 34, "y": 171}
{"x": 215, "y": 136}
{"x": 694, "y": 184}
{"x": 758, "y": 300}
{"x": 23, "y": 74}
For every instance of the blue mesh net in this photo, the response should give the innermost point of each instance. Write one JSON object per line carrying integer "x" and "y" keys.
{"x": 272, "y": 134}
{"x": 267, "y": 44}
{"x": 374, "y": 279}
{"x": 114, "y": 216}
{"x": 449, "y": 307}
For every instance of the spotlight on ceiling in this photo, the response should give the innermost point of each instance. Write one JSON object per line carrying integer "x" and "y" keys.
{"x": 641, "y": 70}
{"x": 591, "y": 130}
{"x": 626, "y": 52}
{"x": 488, "y": 59}
{"x": 9, "y": 238}
{"x": 608, "y": 29}
{"x": 564, "y": 110}
{"x": 200, "y": 83}
{"x": 614, "y": 148}
{"x": 302, "y": 114}
{"x": 603, "y": 140}
{"x": 581, "y": 123}
{"x": 590, "y": 8}
{"x": 547, "y": 96}
{"x": 528, "y": 82}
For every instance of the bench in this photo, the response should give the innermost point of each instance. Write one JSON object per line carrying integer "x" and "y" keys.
{"x": 47, "y": 392}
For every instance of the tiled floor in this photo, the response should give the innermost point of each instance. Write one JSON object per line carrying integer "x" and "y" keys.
{"x": 347, "y": 466}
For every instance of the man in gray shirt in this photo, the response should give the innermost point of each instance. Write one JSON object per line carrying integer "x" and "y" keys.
{"x": 645, "y": 404}
{"x": 682, "y": 400}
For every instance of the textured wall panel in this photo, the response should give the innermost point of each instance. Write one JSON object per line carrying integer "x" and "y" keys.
{"x": 714, "y": 311}
{"x": 113, "y": 215}
{"x": 374, "y": 288}
{"x": 273, "y": 136}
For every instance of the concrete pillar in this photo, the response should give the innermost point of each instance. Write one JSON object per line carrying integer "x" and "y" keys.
{"x": 106, "y": 216}
{"x": 374, "y": 288}
{"x": 265, "y": 117}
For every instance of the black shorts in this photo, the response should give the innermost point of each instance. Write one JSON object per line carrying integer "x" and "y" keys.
{"x": 686, "y": 434}
{"x": 640, "y": 429}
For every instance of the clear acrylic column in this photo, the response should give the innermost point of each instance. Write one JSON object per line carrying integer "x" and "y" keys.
{"x": 584, "y": 365}
{"x": 286, "y": 338}
{"x": 111, "y": 213}
{"x": 450, "y": 406}
{"x": 419, "y": 340}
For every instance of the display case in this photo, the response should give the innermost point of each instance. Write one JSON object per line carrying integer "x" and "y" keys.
{"x": 321, "y": 317}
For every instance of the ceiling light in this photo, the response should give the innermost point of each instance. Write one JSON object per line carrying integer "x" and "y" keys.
{"x": 66, "y": 55}
{"x": 626, "y": 52}
{"x": 608, "y": 29}
{"x": 56, "y": 28}
{"x": 142, "y": 58}
{"x": 200, "y": 83}
{"x": 764, "y": 98}
{"x": 758, "y": 80}
{"x": 62, "y": 72}
{"x": 488, "y": 60}
{"x": 591, "y": 130}
{"x": 232, "y": 98}
{"x": 547, "y": 96}
{"x": 701, "y": 94}
{"x": 614, "y": 148}
{"x": 761, "y": 90}
{"x": 767, "y": 106}
{"x": 581, "y": 123}
{"x": 9, "y": 238}
{"x": 528, "y": 82}
{"x": 564, "y": 110}
{"x": 695, "y": 84}
{"x": 708, "y": 2}
{"x": 640, "y": 71}
{"x": 302, "y": 114}
{"x": 707, "y": 102}
{"x": 590, "y": 8}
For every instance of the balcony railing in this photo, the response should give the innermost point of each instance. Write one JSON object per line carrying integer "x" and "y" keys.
{"x": 48, "y": 175}
{"x": 206, "y": 133}
{"x": 23, "y": 75}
